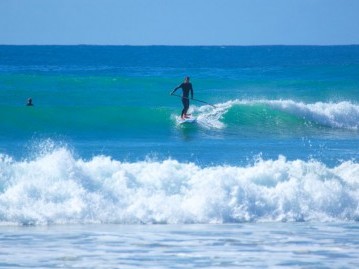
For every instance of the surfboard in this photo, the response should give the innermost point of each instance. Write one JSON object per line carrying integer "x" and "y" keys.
{"x": 187, "y": 120}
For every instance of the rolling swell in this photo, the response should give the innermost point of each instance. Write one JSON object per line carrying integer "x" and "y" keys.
{"x": 78, "y": 120}
{"x": 264, "y": 116}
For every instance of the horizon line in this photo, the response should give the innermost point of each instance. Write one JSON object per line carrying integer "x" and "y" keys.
{"x": 154, "y": 45}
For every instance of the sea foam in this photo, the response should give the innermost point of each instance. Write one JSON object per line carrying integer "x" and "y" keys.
{"x": 58, "y": 188}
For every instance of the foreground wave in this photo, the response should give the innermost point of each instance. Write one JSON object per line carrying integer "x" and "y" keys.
{"x": 58, "y": 188}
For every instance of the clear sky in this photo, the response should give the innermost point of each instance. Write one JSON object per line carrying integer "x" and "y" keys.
{"x": 180, "y": 22}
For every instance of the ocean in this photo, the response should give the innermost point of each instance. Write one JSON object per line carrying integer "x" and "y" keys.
{"x": 99, "y": 173}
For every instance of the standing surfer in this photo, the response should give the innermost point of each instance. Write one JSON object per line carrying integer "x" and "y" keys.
{"x": 186, "y": 89}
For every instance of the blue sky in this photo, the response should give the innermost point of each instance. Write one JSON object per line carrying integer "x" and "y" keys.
{"x": 180, "y": 22}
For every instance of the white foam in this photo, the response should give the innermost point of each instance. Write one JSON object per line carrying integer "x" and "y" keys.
{"x": 210, "y": 117}
{"x": 59, "y": 188}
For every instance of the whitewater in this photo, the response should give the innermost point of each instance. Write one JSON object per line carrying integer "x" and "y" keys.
{"x": 57, "y": 188}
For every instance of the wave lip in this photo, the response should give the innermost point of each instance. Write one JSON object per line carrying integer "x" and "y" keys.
{"x": 57, "y": 188}
{"x": 338, "y": 115}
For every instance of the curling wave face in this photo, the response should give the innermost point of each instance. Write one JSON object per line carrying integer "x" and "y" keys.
{"x": 341, "y": 115}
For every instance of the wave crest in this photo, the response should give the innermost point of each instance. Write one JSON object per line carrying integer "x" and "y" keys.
{"x": 342, "y": 115}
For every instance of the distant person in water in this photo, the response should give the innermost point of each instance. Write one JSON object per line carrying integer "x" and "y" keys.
{"x": 29, "y": 102}
{"x": 186, "y": 89}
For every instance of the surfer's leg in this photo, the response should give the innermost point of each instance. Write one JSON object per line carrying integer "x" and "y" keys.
{"x": 185, "y": 103}
{"x": 183, "y": 114}
{"x": 185, "y": 107}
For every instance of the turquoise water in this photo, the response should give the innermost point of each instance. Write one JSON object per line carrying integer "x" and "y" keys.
{"x": 115, "y": 100}
{"x": 102, "y": 149}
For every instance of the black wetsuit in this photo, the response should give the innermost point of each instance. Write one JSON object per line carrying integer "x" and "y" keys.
{"x": 186, "y": 89}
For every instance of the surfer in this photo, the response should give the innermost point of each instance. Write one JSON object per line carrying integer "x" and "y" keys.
{"x": 29, "y": 102}
{"x": 186, "y": 89}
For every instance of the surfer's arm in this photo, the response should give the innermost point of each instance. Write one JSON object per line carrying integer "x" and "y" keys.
{"x": 175, "y": 89}
{"x": 191, "y": 92}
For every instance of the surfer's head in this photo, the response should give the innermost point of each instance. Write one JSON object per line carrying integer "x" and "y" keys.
{"x": 186, "y": 79}
{"x": 29, "y": 102}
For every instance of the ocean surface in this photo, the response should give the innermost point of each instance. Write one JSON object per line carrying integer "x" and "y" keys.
{"x": 99, "y": 173}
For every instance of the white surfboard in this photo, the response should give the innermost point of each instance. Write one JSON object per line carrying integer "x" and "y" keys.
{"x": 186, "y": 120}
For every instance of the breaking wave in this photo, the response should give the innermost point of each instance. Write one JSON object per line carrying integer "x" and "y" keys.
{"x": 276, "y": 113}
{"x": 56, "y": 187}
